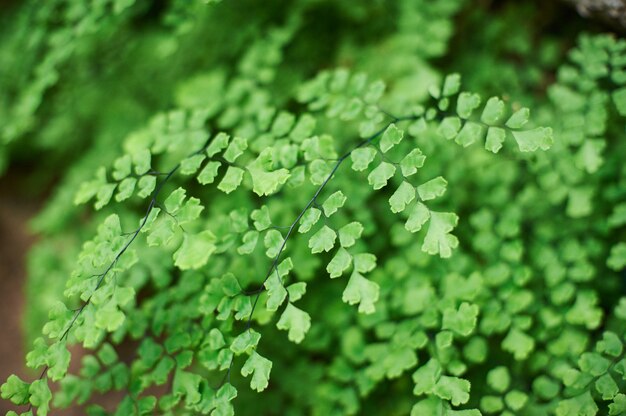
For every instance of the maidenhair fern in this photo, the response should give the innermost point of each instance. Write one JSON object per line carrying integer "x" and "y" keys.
{"x": 331, "y": 224}
{"x": 292, "y": 156}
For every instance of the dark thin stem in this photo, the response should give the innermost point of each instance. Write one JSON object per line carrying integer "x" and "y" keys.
{"x": 153, "y": 203}
{"x": 312, "y": 202}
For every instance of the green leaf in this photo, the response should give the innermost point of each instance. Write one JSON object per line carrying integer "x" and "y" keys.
{"x": 581, "y": 405}
{"x": 545, "y": 387}
{"x": 531, "y": 140}
{"x": 402, "y": 197}
{"x": 618, "y": 216}
{"x": 245, "y": 342}
{"x": 88, "y": 190}
{"x": 374, "y": 92}
{"x": 352, "y": 109}
{"x": 215, "y": 339}
{"x": 188, "y": 385}
{"x": 362, "y": 157}
{"x": 432, "y": 189}
{"x": 516, "y": 399}
{"x": 261, "y": 218}
{"x": 618, "y": 407}
{"x": 309, "y": 219}
{"x": 438, "y": 239}
{"x": 109, "y": 317}
{"x": 466, "y": 104}
{"x": 619, "y": 98}
{"x": 58, "y": 361}
{"x": 491, "y": 404}
{"x": 223, "y": 397}
{"x": 16, "y": 390}
{"x": 580, "y": 202}
{"x": 195, "y": 250}
{"x": 174, "y": 201}
{"x": 296, "y": 321}
{"x": 349, "y": 233}
{"x": 333, "y": 203}
{"x": 265, "y": 182}
{"x": 443, "y": 340}
{"x": 249, "y": 242}
{"x": 476, "y": 350}
{"x": 378, "y": 177}
{"x": 362, "y": 291}
{"x": 340, "y": 262}
{"x": 296, "y": 291}
{"x": 449, "y": 127}
{"x": 593, "y": 363}
{"x": 589, "y": 156}
{"x": 451, "y": 85}
{"x": 235, "y": 149}
{"x": 607, "y": 387}
{"x": 419, "y": 126}
{"x": 239, "y": 220}
{"x": 142, "y": 159}
{"x": 38, "y": 355}
{"x": 319, "y": 171}
{"x": 495, "y": 138}
{"x": 276, "y": 292}
{"x": 107, "y": 353}
{"x": 391, "y": 137}
{"x": 418, "y": 217}
{"x": 610, "y": 344}
{"x": 162, "y": 231}
{"x": 190, "y": 165}
{"x": 304, "y": 128}
{"x": 426, "y": 377}
{"x": 146, "y": 185}
{"x": 285, "y": 267}
{"x": 319, "y": 147}
{"x": 104, "y": 194}
{"x": 454, "y": 389}
{"x": 323, "y": 240}
{"x": 493, "y": 111}
{"x": 617, "y": 258}
{"x": 191, "y": 210}
{"x": 412, "y": 162}
{"x": 499, "y": 379}
{"x": 231, "y": 180}
{"x": 162, "y": 370}
{"x": 469, "y": 134}
{"x": 125, "y": 189}
{"x": 518, "y": 343}
{"x": 121, "y": 167}
{"x": 217, "y": 144}
{"x": 518, "y": 119}
{"x": 364, "y": 262}
{"x": 462, "y": 321}
{"x": 283, "y": 123}
{"x": 288, "y": 158}
{"x": 230, "y": 285}
{"x": 40, "y": 396}
{"x": 273, "y": 242}
{"x": 209, "y": 172}
{"x": 260, "y": 368}
{"x": 177, "y": 341}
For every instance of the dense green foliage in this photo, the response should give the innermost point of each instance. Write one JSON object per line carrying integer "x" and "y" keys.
{"x": 251, "y": 211}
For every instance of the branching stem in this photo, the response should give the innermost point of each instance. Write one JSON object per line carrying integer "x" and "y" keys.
{"x": 312, "y": 202}
{"x": 133, "y": 234}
